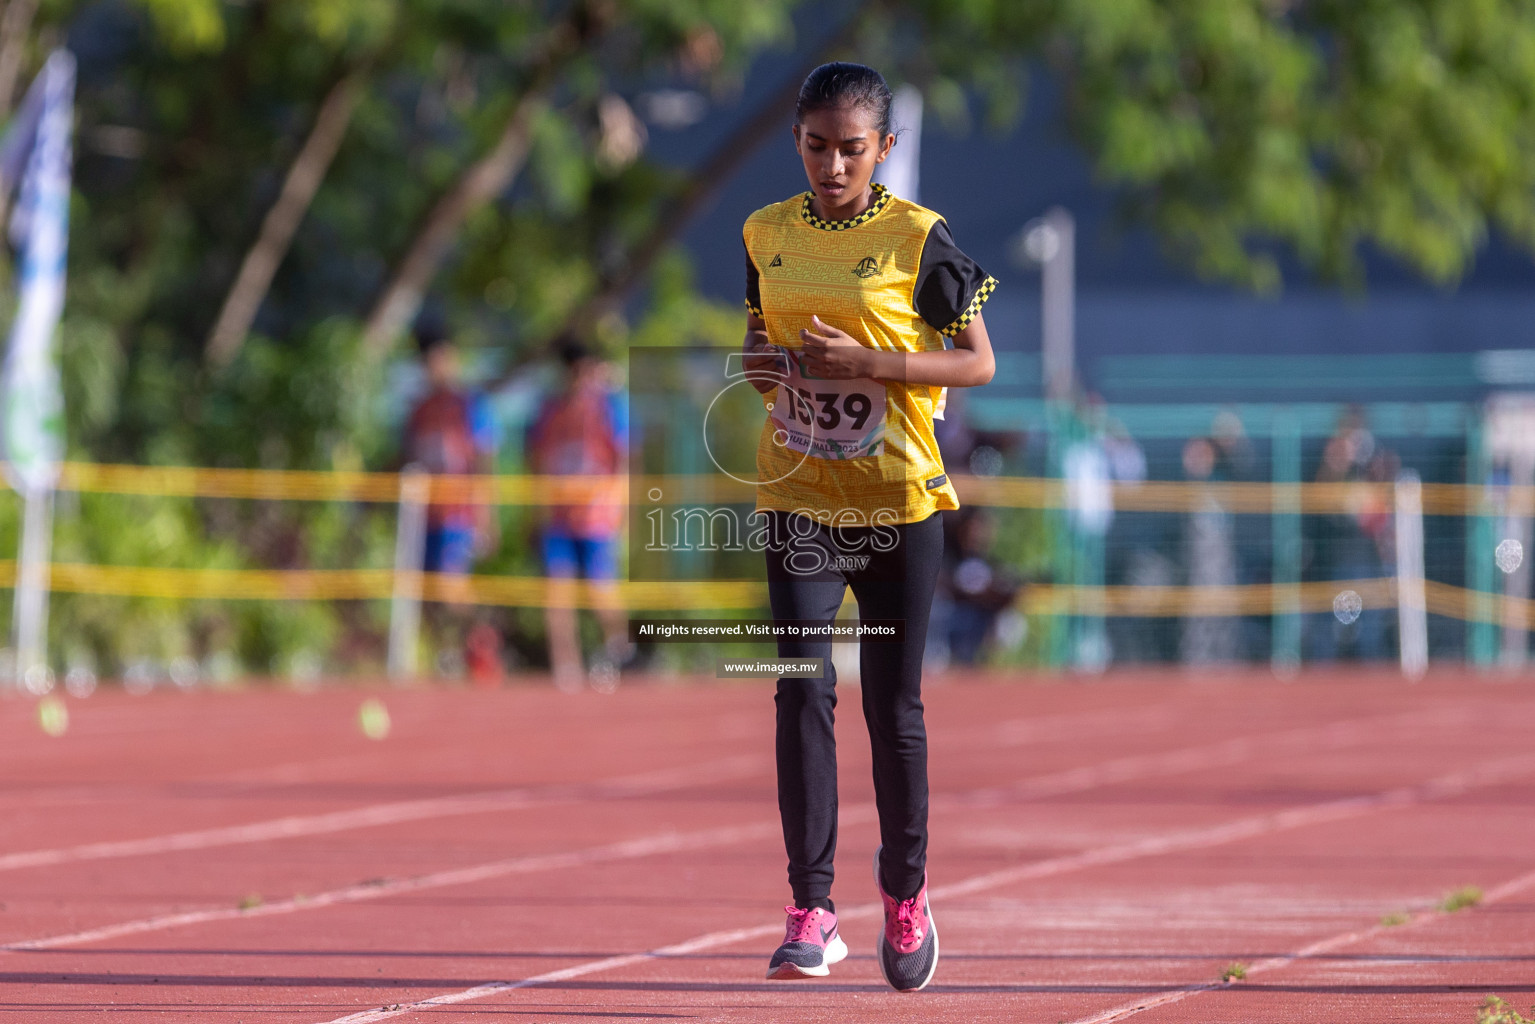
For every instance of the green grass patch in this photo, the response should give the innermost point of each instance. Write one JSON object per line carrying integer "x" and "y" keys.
{"x": 1460, "y": 899}
{"x": 1395, "y": 918}
{"x": 250, "y": 902}
{"x": 1234, "y": 972}
{"x": 1495, "y": 1011}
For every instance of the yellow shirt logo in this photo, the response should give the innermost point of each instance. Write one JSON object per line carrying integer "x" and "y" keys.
{"x": 858, "y": 276}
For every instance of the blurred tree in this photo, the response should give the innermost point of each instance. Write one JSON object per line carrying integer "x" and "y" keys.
{"x": 266, "y": 189}
{"x": 248, "y": 172}
{"x": 1236, "y": 127}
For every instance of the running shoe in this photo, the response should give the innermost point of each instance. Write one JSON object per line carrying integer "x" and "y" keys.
{"x": 810, "y": 945}
{"x": 908, "y": 947}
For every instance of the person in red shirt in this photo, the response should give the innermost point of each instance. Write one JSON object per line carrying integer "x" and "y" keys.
{"x": 450, "y": 432}
{"x": 583, "y": 430}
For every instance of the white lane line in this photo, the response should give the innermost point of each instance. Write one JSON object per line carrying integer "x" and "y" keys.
{"x": 1490, "y": 773}
{"x": 1013, "y": 732}
{"x": 1007, "y": 734}
{"x": 393, "y": 813}
{"x": 1215, "y": 755}
{"x": 643, "y": 847}
{"x": 1017, "y": 732}
{"x": 1010, "y": 733}
{"x": 1487, "y": 774}
{"x": 694, "y": 945}
{"x": 1319, "y": 948}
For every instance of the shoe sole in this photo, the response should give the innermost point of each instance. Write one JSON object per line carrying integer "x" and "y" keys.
{"x": 836, "y": 952}
{"x": 879, "y": 943}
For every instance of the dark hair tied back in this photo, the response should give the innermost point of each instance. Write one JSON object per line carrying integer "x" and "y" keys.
{"x": 570, "y": 349}
{"x": 841, "y": 84}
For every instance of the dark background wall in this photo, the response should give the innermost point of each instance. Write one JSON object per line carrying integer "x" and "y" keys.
{"x": 1132, "y": 299}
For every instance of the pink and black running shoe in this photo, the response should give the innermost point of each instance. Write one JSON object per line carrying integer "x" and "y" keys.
{"x": 908, "y": 947}
{"x": 810, "y": 945}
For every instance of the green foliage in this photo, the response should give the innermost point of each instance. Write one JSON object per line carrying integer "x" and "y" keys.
{"x": 188, "y": 26}
{"x": 207, "y": 105}
{"x": 1237, "y": 128}
{"x": 1495, "y": 1011}
{"x": 344, "y": 24}
{"x": 678, "y": 316}
{"x": 1461, "y": 899}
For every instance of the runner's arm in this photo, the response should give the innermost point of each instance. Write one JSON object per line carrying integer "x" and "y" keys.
{"x": 758, "y": 367}
{"x": 834, "y": 355}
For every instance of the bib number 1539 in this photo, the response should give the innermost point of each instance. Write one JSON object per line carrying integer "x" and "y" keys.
{"x": 829, "y": 419}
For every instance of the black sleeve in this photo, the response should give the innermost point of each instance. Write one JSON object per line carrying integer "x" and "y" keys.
{"x": 951, "y": 287}
{"x": 753, "y": 285}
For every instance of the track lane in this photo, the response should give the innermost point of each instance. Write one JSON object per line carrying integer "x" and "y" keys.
{"x": 1443, "y": 787}
{"x": 1115, "y": 771}
{"x": 1101, "y": 813}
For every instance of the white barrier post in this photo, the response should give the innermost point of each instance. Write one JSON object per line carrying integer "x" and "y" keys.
{"x": 1411, "y": 602}
{"x": 1058, "y": 304}
{"x": 1516, "y": 580}
{"x": 409, "y": 550}
{"x": 30, "y": 616}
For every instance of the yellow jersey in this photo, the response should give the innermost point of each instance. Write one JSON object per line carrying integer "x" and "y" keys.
{"x": 862, "y": 451}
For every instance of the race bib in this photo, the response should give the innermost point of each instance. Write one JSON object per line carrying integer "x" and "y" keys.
{"x": 828, "y": 419}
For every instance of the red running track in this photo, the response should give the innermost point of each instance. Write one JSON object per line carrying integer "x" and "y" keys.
{"x": 1100, "y": 852}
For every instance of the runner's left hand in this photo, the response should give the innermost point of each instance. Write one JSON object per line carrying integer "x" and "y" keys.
{"x": 831, "y": 354}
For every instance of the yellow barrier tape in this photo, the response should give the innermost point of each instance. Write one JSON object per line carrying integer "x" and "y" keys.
{"x": 378, "y": 584}
{"x": 715, "y": 595}
{"x": 1183, "y": 601}
{"x": 1478, "y": 606}
{"x": 315, "y": 485}
{"x": 189, "y": 481}
{"x": 1250, "y": 497}
{"x": 997, "y": 492}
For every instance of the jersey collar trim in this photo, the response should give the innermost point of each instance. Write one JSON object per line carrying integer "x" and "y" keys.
{"x": 882, "y": 197}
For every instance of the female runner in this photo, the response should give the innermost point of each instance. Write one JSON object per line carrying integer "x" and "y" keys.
{"x": 850, "y": 293}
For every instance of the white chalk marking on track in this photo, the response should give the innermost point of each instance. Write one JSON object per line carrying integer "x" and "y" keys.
{"x": 1322, "y": 946}
{"x": 646, "y": 846}
{"x": 296, "y": 826}
{"x": 1214, "y": 755}
{"x": 702, "y": 942}
{"x": 1071, "y": 781}
{"x": 1062, "y": 727}
{"x": 391, "y": 814}
{"x": 1487, "y": 774}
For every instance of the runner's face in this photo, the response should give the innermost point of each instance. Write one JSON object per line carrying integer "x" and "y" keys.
{"x": 840, "y": 147}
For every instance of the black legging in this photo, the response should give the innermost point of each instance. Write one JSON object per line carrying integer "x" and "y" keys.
{"x": 894, "y": 584}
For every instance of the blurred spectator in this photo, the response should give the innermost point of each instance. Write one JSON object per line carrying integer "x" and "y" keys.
{"x": 1089, "y": 487}
{"x": 956, "y": 440}
{"x": 582, "y": 430}
{"x": 1252, "y": 535}
{"x": 971, "y": 605}
{"x": 1209, "y": 556}
{"x": 1106, "y": 456}
{"x": 1234, "y": 452}
{"x": 1143, "y": 551}
{"x": 1127, "y": 460}
{"x": 1358, "y": 543}
{"x": 975, "y": 588}
{"x": 450, "y": 432}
